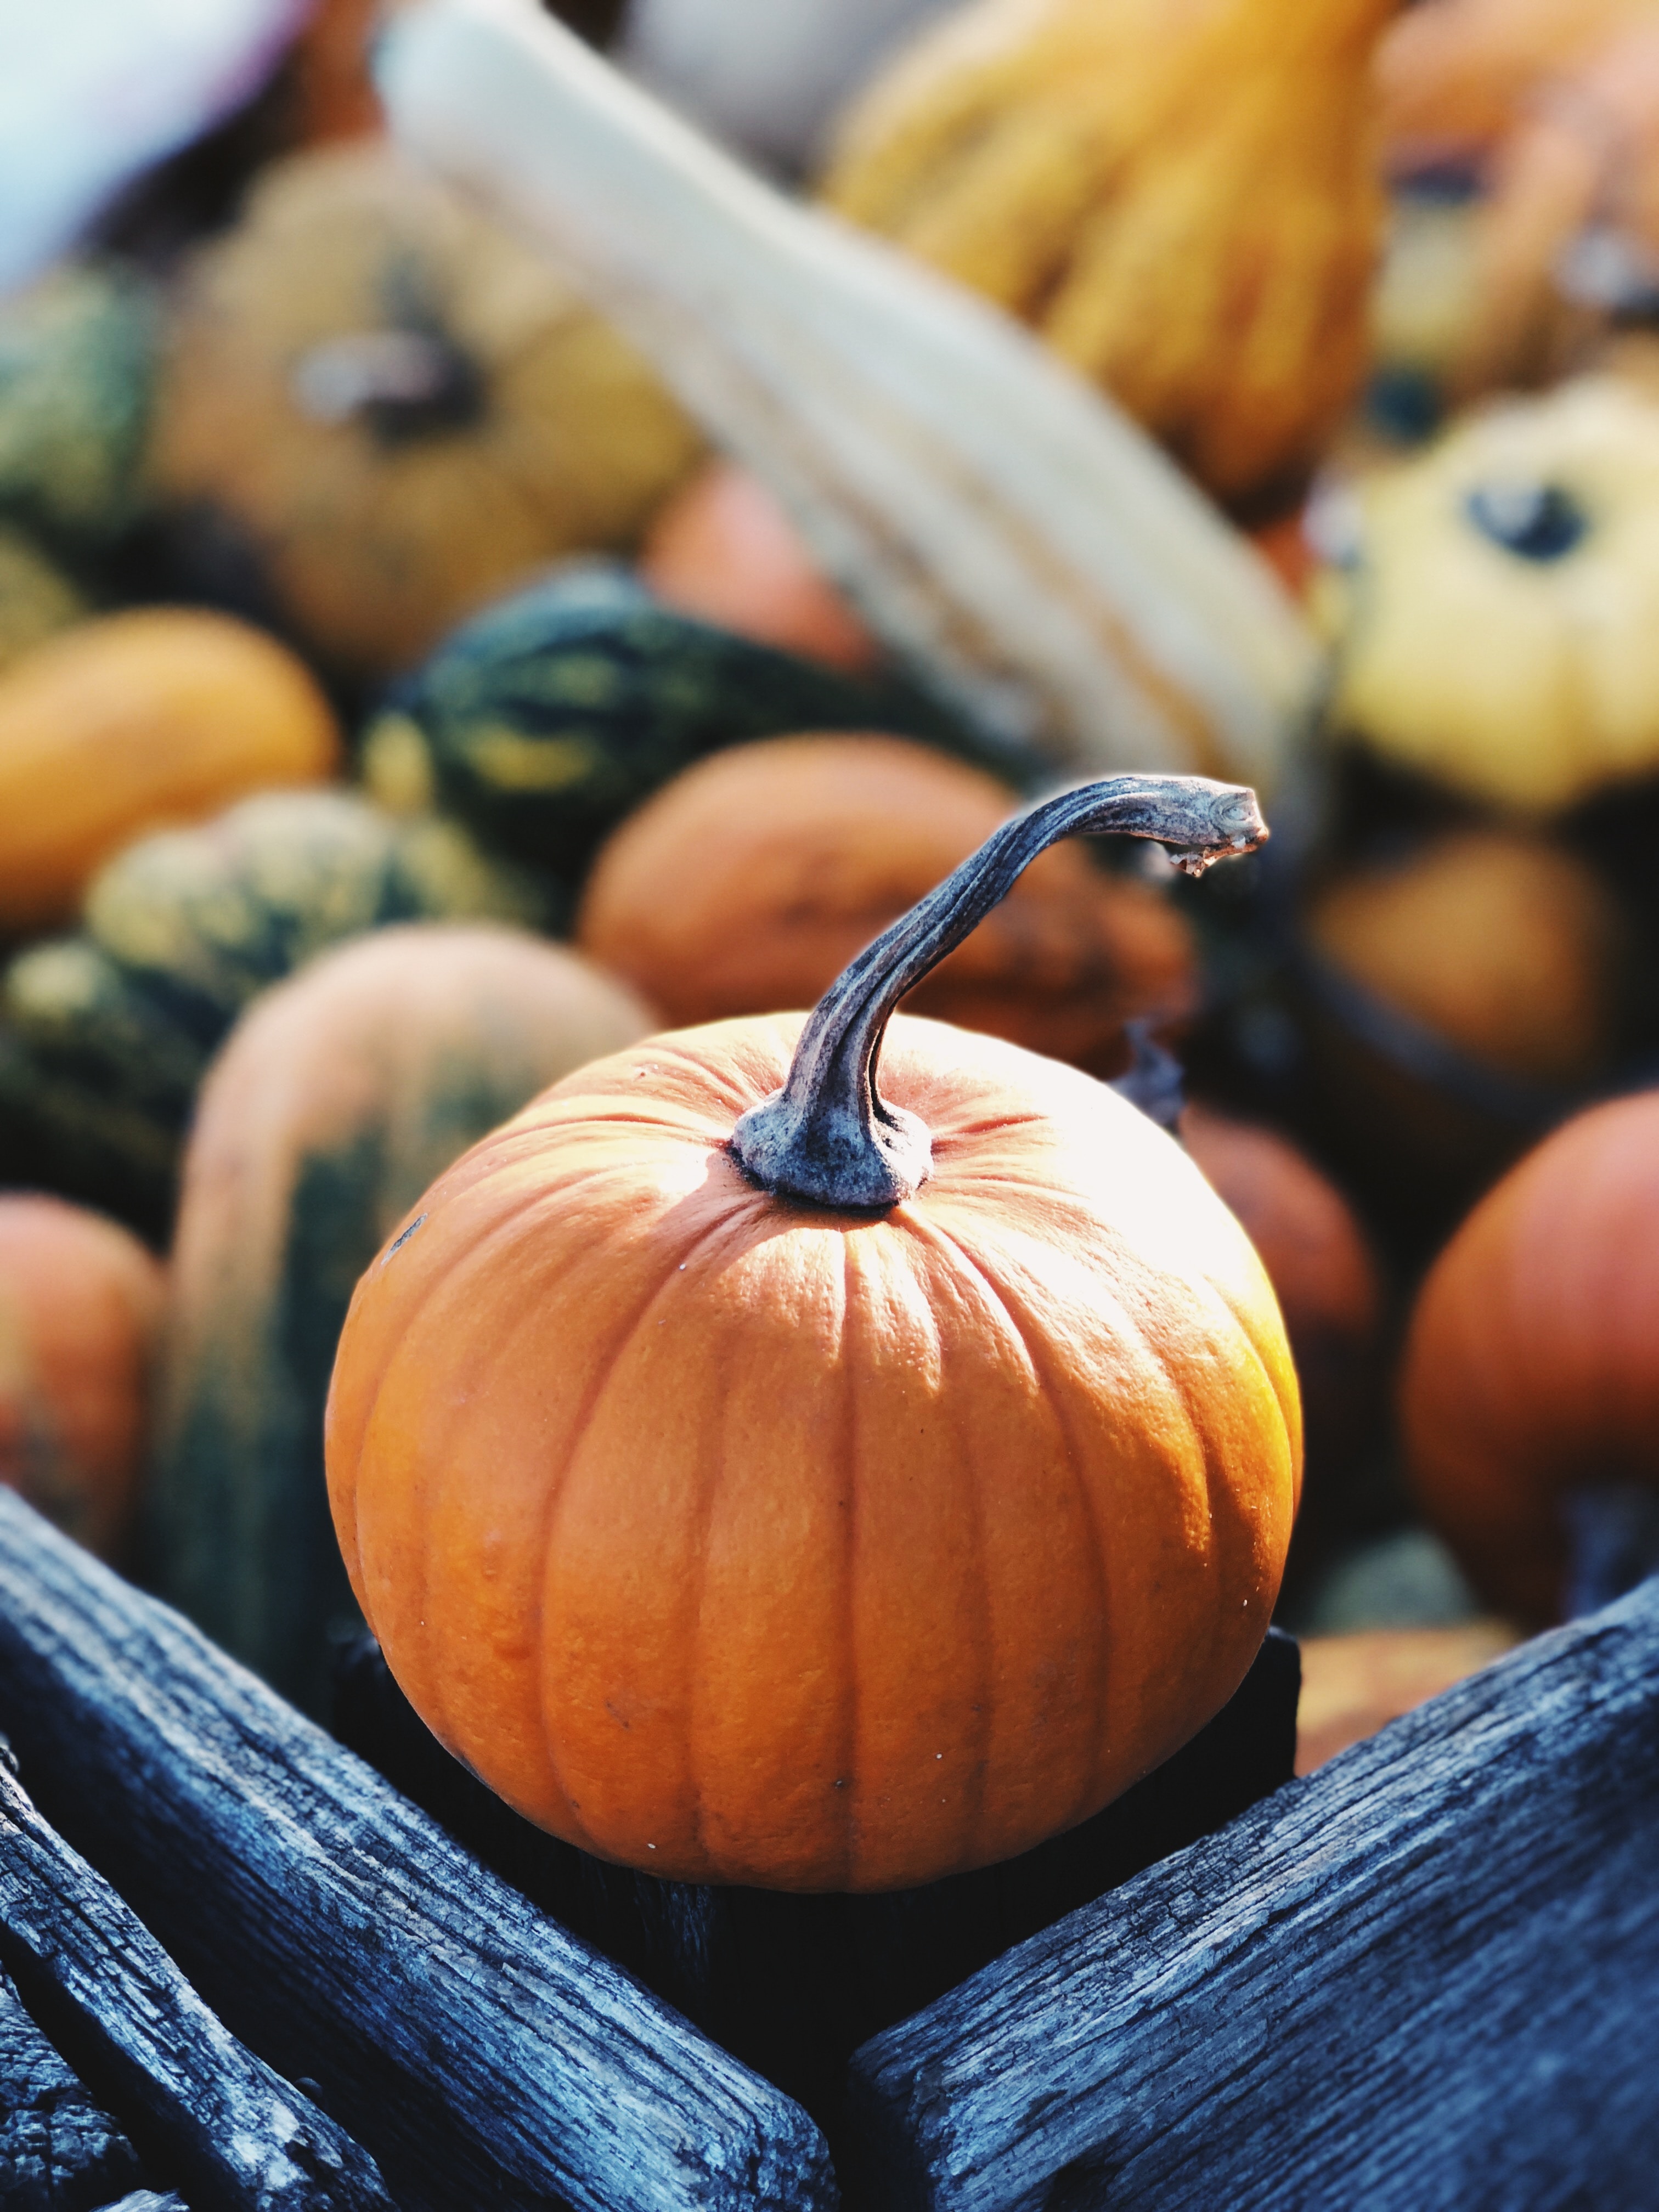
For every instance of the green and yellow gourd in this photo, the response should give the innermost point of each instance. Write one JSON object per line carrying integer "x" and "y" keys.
{"x": 77, "y": 358}
{"x": 335, "y": 1103}
{"x": 104, "y": 1036}
{"x": 542, "y": 722}
{"x": 37, "y": 600}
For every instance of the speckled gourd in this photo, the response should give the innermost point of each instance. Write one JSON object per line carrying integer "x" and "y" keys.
{"x": 334, "y": 1103}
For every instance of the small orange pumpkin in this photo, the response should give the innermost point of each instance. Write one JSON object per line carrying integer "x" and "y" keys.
{"x": 81, "y": 1304}
{"x": 1317, "y": 1259}
{"x": 748, "y": 883}
{"x": 758, "y": 1476}
{"x": 1532, "y": 1365}
{"x": 724, "y": 549}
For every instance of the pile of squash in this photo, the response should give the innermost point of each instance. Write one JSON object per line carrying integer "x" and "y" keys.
{"x": 463, "y": 840}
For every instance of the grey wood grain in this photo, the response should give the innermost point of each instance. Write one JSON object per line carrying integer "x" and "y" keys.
{"x": 484, "y": 2055}
{"x": 60, "y": 2151}
{"x": 238, "y": 2136}
{"x": 1426, "y": 1977}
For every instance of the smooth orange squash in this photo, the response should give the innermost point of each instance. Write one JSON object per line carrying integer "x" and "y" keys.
{"x": 80, "y": 1315}
{"x": 1532, "y": 1365}
{"x": 757, "y": 1476}
{"x": 724, "y": 549}
{"x": 748, "y": 883}
{"x": 138, "y": 721}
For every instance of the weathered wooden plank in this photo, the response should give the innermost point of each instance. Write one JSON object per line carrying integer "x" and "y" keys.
{"x": 484, "y": 2055}
{"x": 793, "y": 1984}
{"x": 1427, "y": 1977}
{"x": 59, "y": 2150}
{"x": 223, "y": 2122}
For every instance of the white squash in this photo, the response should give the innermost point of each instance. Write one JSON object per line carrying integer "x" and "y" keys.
{"x": 1022, "y": 544}
{"x": 765, "y": 75}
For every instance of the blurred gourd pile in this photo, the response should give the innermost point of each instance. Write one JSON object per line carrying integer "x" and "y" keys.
{"x": 404, "y": 701}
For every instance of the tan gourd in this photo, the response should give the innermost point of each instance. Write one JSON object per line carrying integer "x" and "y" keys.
{"x": 1006, "y": 530}
{"x": 1183, "y": 201}
{"x": 135, "y": 721}
{"x": 401, "y": 408}
{"x": 1501, "y": 946}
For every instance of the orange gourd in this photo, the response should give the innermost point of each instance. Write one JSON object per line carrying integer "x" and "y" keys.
{"x": 135, "y": 722}
{"x": 1317, "y": 1259}
{"x": 81, "y": 1304}
{"x": 1454, "y": 75}
{"x": 1181, "y": 196}
{"x": 1505, "y": 946}
{"x": 1532, "y": 1363}
{"x": 725, "y": 550}
{"x": 748, "y": 883}
{"x": 759, "y": 1470}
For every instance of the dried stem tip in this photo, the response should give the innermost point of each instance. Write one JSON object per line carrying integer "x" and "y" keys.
{"x": 828, "y": 1137}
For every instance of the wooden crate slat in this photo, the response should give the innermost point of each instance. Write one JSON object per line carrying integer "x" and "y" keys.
{"x": 222, "y": 2121}
{"x": 57, "y": 2144}
{"x": 1427, "y": 1977}
{"x": 482, "y": 2054}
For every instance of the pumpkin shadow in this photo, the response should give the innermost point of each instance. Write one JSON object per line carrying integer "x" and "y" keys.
{"x": 791, "y": 1984}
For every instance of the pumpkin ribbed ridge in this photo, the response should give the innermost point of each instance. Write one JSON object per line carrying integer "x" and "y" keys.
{"x": 647, "y": 1544}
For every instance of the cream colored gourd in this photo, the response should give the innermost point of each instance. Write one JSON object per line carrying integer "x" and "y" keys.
{"x": 1001, "y": 526}
{"x": 1498, "y": 630}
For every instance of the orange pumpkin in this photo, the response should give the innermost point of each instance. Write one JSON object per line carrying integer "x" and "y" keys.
{"x": 824, "y": 1487}
{"x": 745, "y": 886}
{"x": 80, "y": 1315}
{"x": 135, "y": 722}
{"x": 1317, "y": 1257}
{"x": 725, "y": 550}
{"x": 1531, "y": 1366}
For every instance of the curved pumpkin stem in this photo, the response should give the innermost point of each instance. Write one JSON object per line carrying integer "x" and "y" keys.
{"x": 828, "y": 1137}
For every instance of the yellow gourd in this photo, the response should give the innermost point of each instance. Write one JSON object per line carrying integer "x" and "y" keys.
{"x": 1497, "y": 627}
{"x": 1182, "y": 199}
